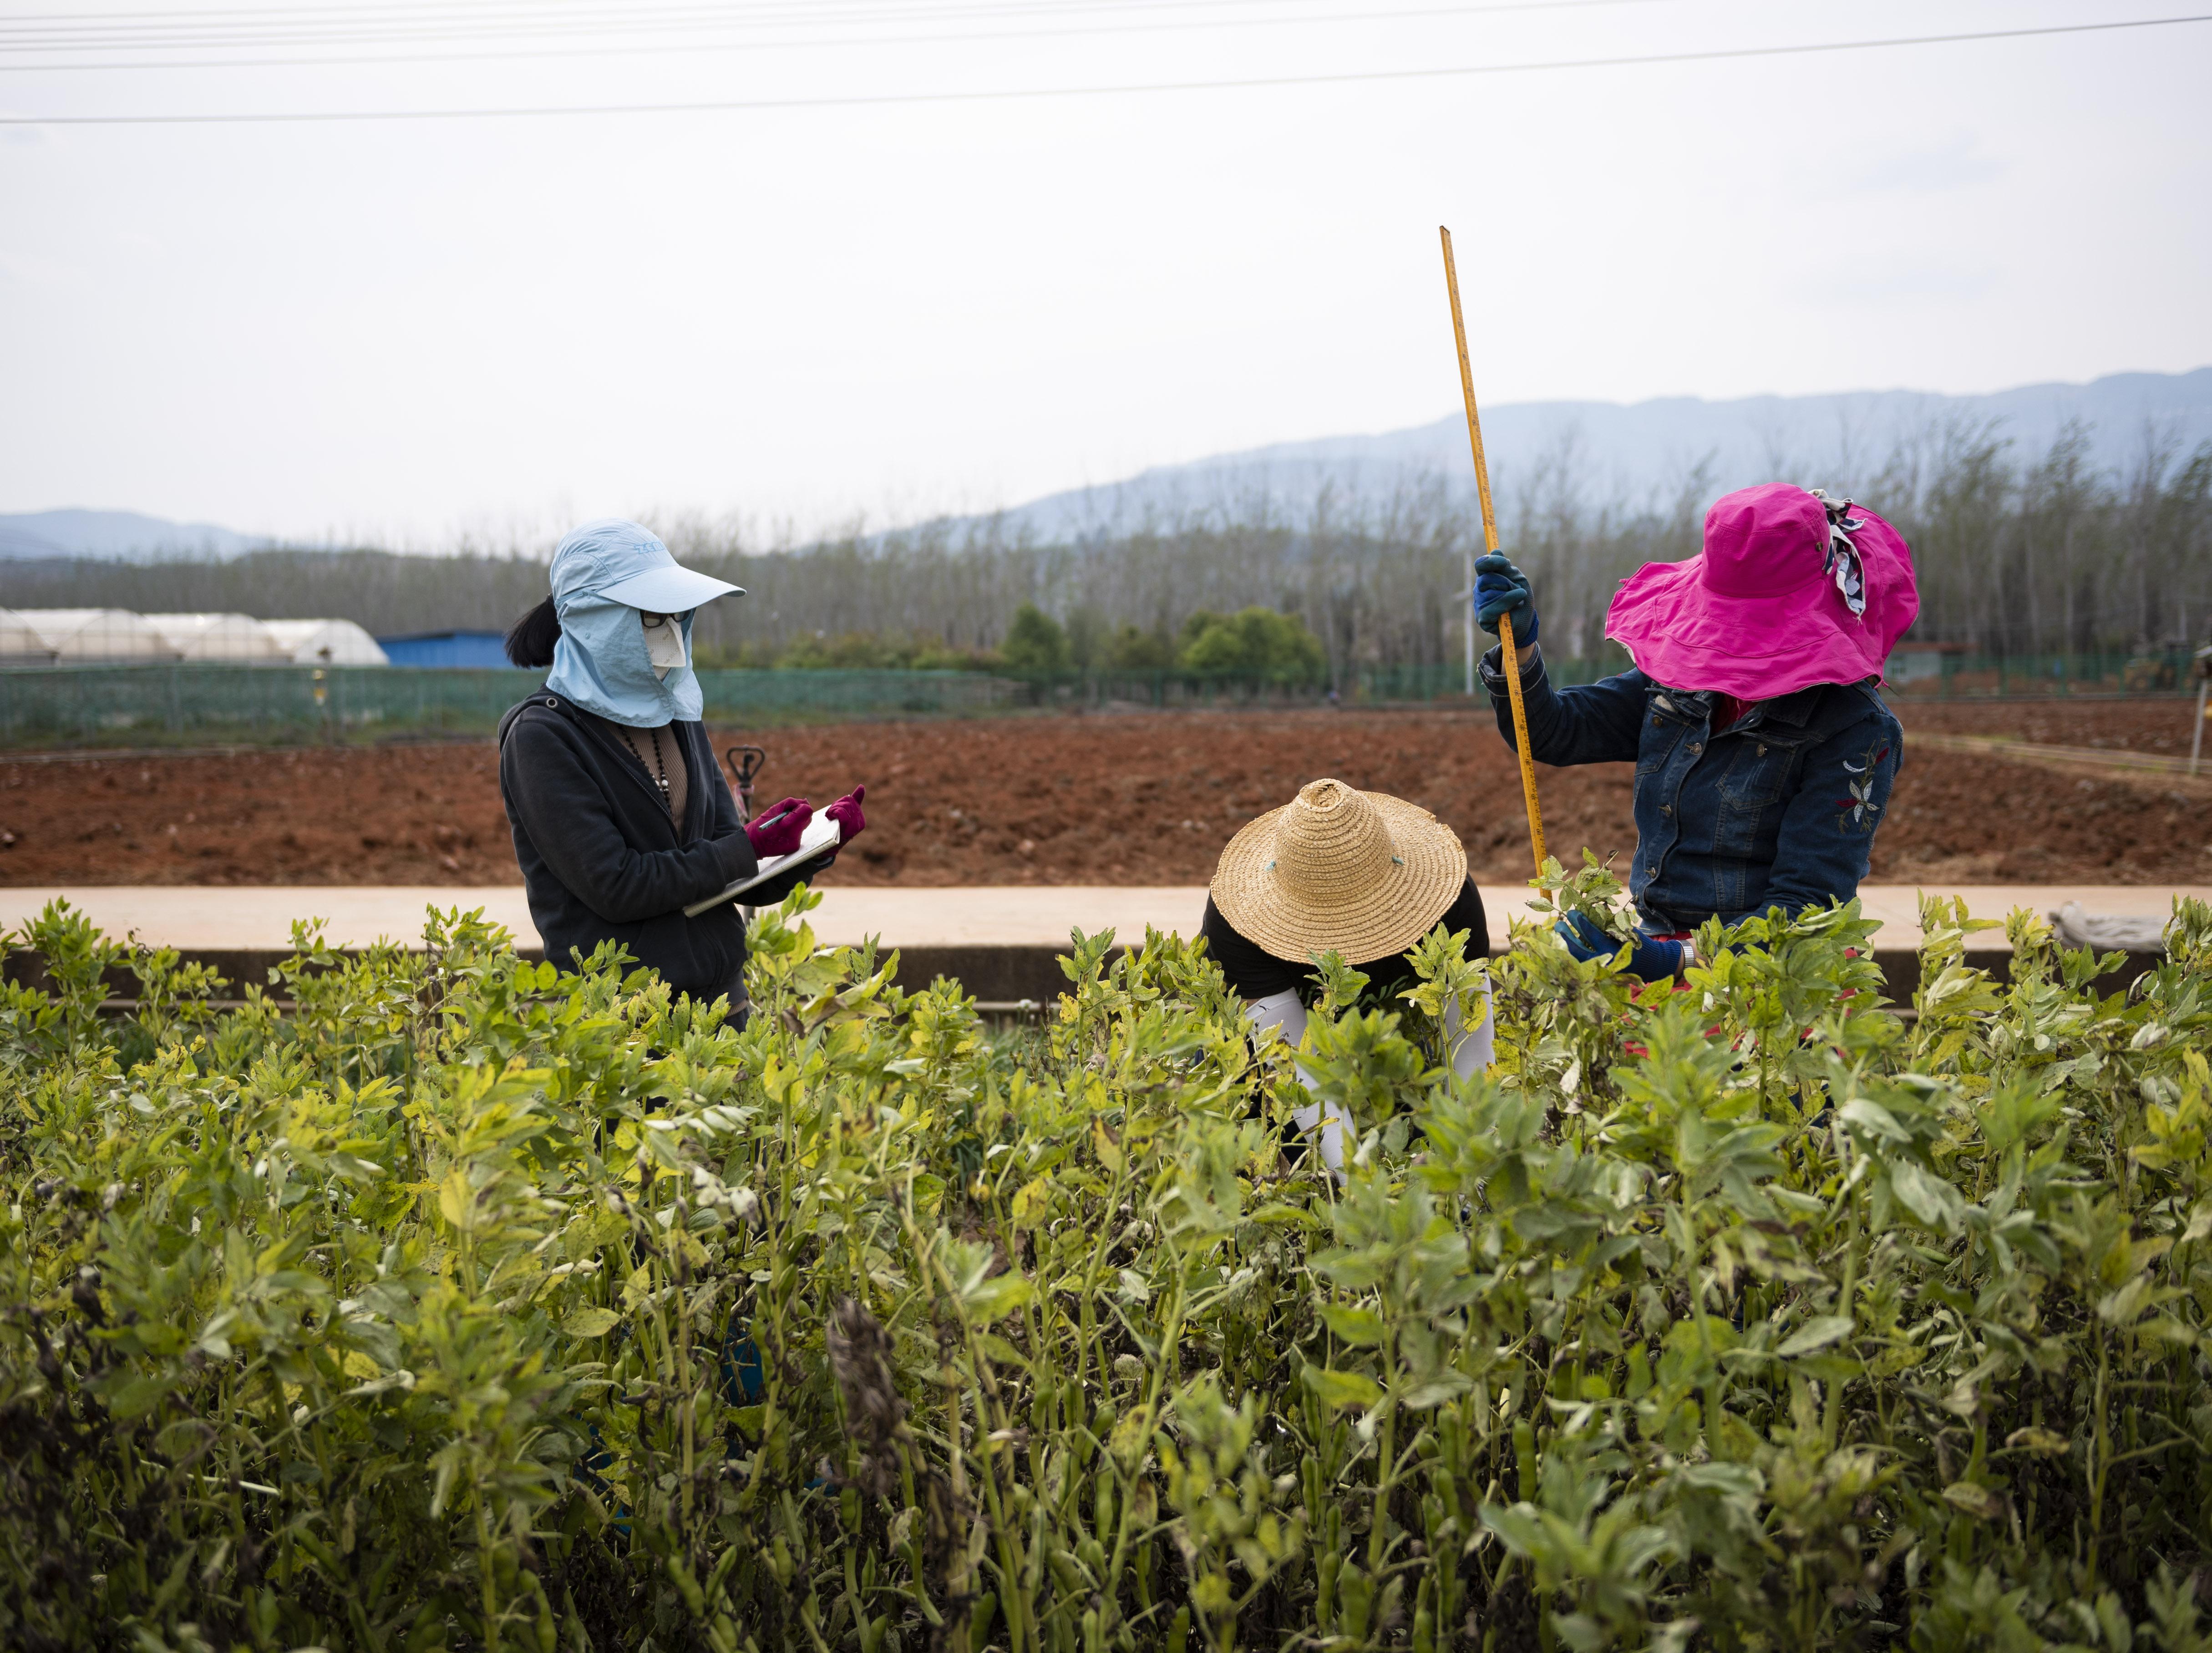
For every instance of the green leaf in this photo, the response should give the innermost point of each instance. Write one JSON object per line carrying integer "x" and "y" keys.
{"x": 1032, "y": 1202}
{"x": 1926, "y": 1195}
{"x": 1362, "y": 1327}
{"x": 1343, "y": 1390}
{"x": 137, "y": 1395}
{"x": 1000, "y": 1350}
{"x": 1102, "y": 1144}
{"x": 2124, "y": 1306}
{"x": 1437, "y": 1391}
{"x": 1519, "y": 1525}
{"x": 457, "y": 1200}
{"x": 1976, "y": 1500}
{"x": 1815, "y": 1335}
{"x": 591, "y": 1322}
{"x": 998, "y": 1296}
{"x": 1874, "y": 1119}
{"x": 2044, "y": 1442}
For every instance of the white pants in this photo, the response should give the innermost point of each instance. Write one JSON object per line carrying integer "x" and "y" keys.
{"x": 1470, "y": 1054}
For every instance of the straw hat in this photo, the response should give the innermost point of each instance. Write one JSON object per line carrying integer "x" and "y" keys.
{"x": 1361, "y": 873}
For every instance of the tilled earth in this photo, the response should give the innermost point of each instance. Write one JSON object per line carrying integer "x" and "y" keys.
{"x": 1132, "y": 799}
{"x": 2159, "y": 727}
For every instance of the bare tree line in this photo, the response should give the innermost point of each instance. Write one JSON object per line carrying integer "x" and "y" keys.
{"x": 2017, "y": 555}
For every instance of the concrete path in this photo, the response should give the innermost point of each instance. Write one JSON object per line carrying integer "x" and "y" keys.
{"x": 258, "y": 919}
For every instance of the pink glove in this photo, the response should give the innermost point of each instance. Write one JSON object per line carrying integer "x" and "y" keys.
{"x": 846, "y": 813}
{"x": 775, "y": 830}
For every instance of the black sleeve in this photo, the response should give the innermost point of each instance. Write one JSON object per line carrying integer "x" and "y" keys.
{"x": 1253, "y": 972}
{"x": 572, "y": 825}
{"x": 722, "y": 816}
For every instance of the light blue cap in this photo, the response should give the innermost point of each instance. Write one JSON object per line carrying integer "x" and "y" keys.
{"x": 605, "y": 573}
{"x": 622, "y": 562}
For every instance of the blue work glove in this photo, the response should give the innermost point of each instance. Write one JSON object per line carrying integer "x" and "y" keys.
{"x": 1501, "y": 588}
{"x": 1653, "y": 960}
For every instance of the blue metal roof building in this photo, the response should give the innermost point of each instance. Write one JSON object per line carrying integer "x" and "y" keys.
{"x": 471, "y": 650}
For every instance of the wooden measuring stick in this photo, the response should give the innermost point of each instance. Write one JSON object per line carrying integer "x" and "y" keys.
{"x": 1509, "y": 656}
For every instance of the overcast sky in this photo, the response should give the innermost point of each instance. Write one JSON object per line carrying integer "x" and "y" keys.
{"x": 408, "y": 330}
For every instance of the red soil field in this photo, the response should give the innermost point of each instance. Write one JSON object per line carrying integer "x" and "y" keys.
{"x": 1142, "y": 798}
{"x": 2162, "y": 727}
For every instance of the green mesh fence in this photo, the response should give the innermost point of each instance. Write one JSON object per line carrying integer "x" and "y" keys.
{"x": 1928, "y": 672}
{"x": 1376, "y": 685}
{"x": 1924, "y": 673}
{"x": 190, "y": 703}
{"x": 145, "y": 705}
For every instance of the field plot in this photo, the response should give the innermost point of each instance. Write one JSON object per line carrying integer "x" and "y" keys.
{"x": 1137, "y": 799}
{"x": 2159, "y": 728}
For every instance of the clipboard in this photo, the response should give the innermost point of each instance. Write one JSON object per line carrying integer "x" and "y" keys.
{"x": 822, "y": 834}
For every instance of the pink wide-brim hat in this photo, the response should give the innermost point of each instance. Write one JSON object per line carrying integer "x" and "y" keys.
{"x": 1759, "y": 612}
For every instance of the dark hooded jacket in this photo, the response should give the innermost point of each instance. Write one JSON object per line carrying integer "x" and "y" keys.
{"x": 603, "y": 861}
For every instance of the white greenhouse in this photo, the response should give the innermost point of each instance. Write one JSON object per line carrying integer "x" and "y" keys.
{"x": 324, "y": 642}
{"x": 20, "y": 643}
{"x": 225, "y": 639}
{"x": 98, "y": 636}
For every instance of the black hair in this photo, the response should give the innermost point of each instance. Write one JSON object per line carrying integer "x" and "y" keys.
{"x": 530, "y": 641}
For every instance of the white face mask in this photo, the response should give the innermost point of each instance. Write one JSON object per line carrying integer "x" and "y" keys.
{"x": 663, "y": 643}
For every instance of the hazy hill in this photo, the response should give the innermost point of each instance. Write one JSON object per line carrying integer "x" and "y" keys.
{"x": 123, "y": 535}
{"x": 1601, "y": 452}
{"x": 1632, "y": 454}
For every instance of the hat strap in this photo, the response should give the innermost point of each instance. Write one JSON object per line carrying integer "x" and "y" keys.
{"x": 1844, "y": 563}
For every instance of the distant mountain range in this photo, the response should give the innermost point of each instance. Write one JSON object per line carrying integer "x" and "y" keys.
{"x": 1633, "y": 454}
{"x": 1644, "y": 452}
{"x": 123, "y": 536}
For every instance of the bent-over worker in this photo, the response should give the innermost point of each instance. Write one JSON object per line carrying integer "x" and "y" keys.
{"x": 1763, "y": 753}
{"x": 620, "y": 818}
{"x": 1359, "y": 873}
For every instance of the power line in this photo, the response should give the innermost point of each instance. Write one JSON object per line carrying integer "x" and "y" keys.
{"x": 182, "y": 31}
{"x": 225, "y": 15}
{"x": 888, "y": 99}
{"x": 1080, "y": 29}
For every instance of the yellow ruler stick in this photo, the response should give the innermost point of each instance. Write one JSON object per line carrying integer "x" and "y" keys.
{"x": 1509, "y": 656}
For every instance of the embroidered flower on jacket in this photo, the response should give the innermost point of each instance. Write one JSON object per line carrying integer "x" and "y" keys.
{"x": 1860, "y": 808}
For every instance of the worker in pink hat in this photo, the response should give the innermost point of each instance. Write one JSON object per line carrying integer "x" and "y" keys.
{"x": 1763, "y": 753}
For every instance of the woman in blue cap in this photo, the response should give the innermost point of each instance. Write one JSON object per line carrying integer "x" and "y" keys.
{"x": 620, "y": 818}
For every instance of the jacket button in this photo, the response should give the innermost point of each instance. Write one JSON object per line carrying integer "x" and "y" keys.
{"x": 1696, "y": 746}
{"x": 1666, "y": 809}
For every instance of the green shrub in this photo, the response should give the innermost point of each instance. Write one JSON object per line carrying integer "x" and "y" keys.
{"x": 1254, "y": 642}
{"x": 852, "y": 651}
{"x": 1135, "y": 649}
{"x": 1035, "y": 644}
{"x": 469, "y": 1303}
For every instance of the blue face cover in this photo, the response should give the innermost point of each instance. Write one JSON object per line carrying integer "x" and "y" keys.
{"x": 606, "y": 575}
{"x": 600, "y": 664}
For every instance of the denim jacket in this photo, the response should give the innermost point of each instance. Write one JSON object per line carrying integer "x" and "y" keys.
{"x": 1778, "y": 810}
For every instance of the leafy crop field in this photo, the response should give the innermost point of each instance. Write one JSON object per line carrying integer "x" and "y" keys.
{"x": 468, "y": 1303}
